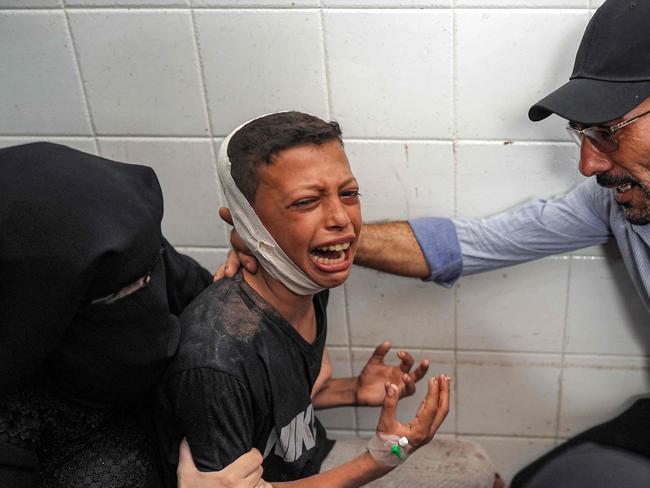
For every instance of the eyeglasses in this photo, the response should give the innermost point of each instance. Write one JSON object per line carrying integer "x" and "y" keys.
{"x": 601, "y": 137}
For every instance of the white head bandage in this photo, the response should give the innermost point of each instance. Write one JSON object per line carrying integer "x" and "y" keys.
{"x": 259, "y": 241}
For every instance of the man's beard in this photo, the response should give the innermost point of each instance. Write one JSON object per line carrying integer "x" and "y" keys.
{"x": 641, "y": 215}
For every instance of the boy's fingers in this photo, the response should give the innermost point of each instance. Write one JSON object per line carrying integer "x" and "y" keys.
{"x": 443, "y": 404}
{"x": 224, "y": 213}
{"x": 409, "y": 385}
{"x": 421, "y": 370}
{"x": 379, "y": 353}
{"x": 406, "y": 361}
{"x": 388, "y": 409}
{"x": 428, "y": 410}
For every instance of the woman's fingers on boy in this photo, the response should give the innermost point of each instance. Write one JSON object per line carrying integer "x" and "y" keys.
{"x": 243, "y": 256}
{"x": 244, "y": 472}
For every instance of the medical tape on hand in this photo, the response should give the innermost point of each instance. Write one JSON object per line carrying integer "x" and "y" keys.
{"x": 388, "y": 449}
{"x": 257, "y": 238}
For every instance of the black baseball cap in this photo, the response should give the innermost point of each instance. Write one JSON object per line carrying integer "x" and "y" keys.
{"x": 611, "y": 74}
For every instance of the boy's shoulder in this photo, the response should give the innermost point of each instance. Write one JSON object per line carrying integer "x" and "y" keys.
{"x": 219, "y": 326}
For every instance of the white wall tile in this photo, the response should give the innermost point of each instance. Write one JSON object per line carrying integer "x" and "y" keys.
{"x": 390, "y": 72}
{"x": 493, "y": 177}
{"x": 386, "y": 3}
{"x": 258, "y": 62}
{"x": 521, "y": 308}
{"x": 509, "y": 455}
{"x": 501, "y": 76}
{"x": 40, "y": 90}
{"x": 440, "y": 363}
{"x": 597, "y": 388}
{"x": 128, "y": 3}
{"x": 507, "y": 394}
{"x": 30, "y": 3}
{"x": 256, "y": 3}
{"x": 192, "y": 195}
{"x": 340, "y": 417}
{"x": 140, "y": 68}
{"x": 210, "y": 259}
{"x": 406, "y": 311}
{"x": 523, "y": 3}
{"x": 596, "y": 3}
{"x": 337, "y": 322}
{"x": 605, "y": 313}
{"x": 86, "y": 144}
{"x": 403, "y": 180}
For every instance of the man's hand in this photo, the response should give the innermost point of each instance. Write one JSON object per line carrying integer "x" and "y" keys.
{"x": 244, "y": 472}
{"x": 370, "y": 384}
{"x": 238, "y": 257}
{"x": 429, "y": 417}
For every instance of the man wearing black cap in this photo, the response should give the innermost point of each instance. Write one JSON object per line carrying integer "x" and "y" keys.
{"x": 607, "y": 105}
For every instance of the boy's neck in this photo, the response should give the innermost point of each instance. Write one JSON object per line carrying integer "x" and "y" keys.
{"x": 298, "y": 310}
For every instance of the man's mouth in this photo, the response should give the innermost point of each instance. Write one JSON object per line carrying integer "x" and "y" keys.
{"x": 620, "y": 185}
{"x": 332, "y": 254}
{"x": 624, "y": 188}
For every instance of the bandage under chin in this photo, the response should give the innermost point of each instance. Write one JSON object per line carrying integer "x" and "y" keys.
{"x": 257, "y": 238}
{"x": 388, "y": 449}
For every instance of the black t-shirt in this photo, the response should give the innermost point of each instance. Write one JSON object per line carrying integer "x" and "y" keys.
{"x": 75, "y": 228}
{"x": 242, "y": 378}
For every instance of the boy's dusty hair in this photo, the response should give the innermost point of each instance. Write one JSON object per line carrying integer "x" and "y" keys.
{"x": 259, "y": 141}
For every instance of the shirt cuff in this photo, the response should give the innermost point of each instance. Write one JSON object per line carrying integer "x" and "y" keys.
{"x": 439, "y": 242}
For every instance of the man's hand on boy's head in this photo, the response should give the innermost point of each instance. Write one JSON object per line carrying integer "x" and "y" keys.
{"x": 430, "y": 415}
{"x": 238, "y": 257}
{"x": 370, "y": 384}
{"x": 244, "y": 472}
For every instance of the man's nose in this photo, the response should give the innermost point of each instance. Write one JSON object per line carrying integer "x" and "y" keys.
{"x": 592, "y": 161}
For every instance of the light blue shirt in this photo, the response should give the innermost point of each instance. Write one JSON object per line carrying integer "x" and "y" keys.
{"x": 586, "y": 216}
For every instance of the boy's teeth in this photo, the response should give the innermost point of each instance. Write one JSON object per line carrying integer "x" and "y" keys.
{"x": 335, "y": 247}
{"x": 321, "y": 260}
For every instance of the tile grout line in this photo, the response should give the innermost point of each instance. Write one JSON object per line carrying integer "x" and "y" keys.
{"x": 325, "y": 51}
{"x": 454, "y": 136}
{"x": 355, "y": 417}
{"x": 80, "y": 75}
{"x": 560, "y": 389}
{"x": 208, "y": 112}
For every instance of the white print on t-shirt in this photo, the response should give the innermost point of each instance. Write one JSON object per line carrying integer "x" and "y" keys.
{"x": 300, "y": 431}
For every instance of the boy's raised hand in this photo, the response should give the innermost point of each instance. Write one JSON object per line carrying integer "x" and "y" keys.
{"x": 370, "y": 384}
{"x": 238, "y": 256}
{"x": 244, "y": 472}
{"x": 430, "y": 415}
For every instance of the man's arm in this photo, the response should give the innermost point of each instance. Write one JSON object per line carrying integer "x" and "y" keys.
{"x": 393, "y": 248}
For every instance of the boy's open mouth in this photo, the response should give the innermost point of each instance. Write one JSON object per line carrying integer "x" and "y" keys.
{"x": 332, "y": 254}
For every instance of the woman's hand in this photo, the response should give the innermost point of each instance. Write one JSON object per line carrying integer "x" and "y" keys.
{"x": 370, "y": 384}
{"x": 244, "y": 472}
{"x": 433, "y": 410}
{"x": 237, "y": 257}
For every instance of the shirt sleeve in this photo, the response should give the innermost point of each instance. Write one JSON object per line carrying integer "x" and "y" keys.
{"x": 214, "y": 411}
{"x": 529, "y": 231}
